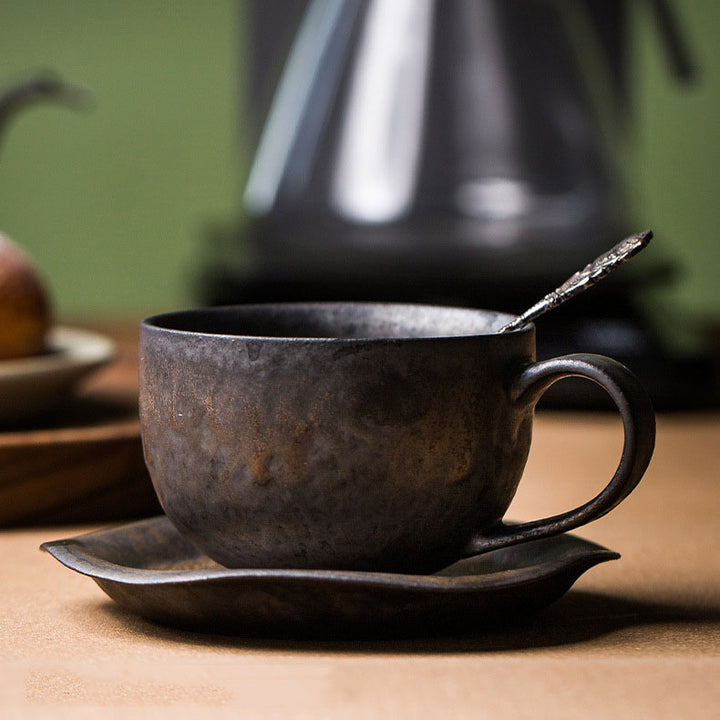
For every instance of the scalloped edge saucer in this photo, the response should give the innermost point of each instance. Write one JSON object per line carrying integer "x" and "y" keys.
{"x": 149, "y": 569}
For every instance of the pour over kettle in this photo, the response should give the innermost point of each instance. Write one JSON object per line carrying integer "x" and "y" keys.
{"x": 414, "y": 143}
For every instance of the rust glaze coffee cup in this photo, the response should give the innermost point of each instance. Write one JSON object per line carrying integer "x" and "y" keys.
{"x": 386, "y": 437}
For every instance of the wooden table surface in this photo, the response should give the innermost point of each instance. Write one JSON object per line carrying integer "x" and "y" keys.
{"x": 638, "y": 637}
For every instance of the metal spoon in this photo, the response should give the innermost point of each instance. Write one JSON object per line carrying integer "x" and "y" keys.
{"x": 583, "y": 279}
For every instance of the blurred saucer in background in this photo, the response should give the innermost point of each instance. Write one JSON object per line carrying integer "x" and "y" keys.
{"x": 33, "y": 385}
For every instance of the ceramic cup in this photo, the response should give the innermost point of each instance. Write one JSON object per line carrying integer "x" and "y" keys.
{"x": 366, "y": 436}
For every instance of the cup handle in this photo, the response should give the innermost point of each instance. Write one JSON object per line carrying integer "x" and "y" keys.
{"x": 638, "y": 420}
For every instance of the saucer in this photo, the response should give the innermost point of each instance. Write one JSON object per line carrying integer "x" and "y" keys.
{"x": 150, "y": 570}
{"x": 31, "y": 385}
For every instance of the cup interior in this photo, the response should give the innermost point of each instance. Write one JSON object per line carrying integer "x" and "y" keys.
{"x": 334, "y": 320}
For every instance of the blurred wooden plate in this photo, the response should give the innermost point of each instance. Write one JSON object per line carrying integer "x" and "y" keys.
{"x": 83, "y": 462}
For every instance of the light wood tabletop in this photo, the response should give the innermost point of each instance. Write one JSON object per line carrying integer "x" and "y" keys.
{"x": 636, "y": 637}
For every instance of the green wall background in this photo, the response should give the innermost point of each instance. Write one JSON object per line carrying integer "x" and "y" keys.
{"x": 114, "y": 205}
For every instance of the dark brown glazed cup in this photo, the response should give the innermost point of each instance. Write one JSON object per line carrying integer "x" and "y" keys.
{"x": 357, "y": 435}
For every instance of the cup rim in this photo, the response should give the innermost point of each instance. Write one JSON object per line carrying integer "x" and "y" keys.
{"x": 162, "y": 322}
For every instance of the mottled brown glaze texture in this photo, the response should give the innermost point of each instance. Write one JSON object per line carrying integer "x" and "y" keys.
{"x": 334, "y": 436}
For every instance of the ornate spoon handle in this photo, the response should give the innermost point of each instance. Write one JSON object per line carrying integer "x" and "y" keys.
{"x": 583, "y": 279}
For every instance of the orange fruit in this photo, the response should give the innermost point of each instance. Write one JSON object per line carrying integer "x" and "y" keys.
{"x": 24, "y": 304}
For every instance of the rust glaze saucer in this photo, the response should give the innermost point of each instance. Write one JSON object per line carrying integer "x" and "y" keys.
{"x": 149, "y": 569}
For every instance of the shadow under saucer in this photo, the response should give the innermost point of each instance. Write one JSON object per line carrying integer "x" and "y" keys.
{"x": 595, "y": 620}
